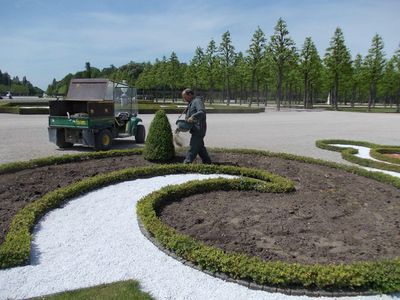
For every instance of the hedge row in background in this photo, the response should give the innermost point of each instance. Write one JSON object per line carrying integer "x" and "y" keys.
{"x": 24, "y": 108}
{"x": 383, "y": 276}
{"x": 144, "y": 108}
{"x": 349, "y": 153}
{"x": 16, "y": 248}
{"x": 217, "y": 110}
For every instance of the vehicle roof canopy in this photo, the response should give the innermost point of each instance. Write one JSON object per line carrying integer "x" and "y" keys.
{"x": 93, "y": 89}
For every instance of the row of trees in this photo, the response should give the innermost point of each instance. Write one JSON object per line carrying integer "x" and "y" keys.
{"x": 129, "y": 72}
{"x": 16, "y": 86}
{"x": 271, "y": 69}
{"x": 276, "y": 70}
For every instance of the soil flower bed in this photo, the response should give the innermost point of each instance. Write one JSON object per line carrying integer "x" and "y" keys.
{"x": 335, "y": 216}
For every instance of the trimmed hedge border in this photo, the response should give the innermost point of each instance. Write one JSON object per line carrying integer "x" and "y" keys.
{"x": 250, "y": 284}
{"x": 16, "y": 248}
{"x": 383, "y": 276}
{"x": 379, "y": 153}
{"x": 7, "y": 109}
{"x": 33, "y": 108}
{"x": 354, "y": 278}
{"x": 348, "y": 153}
{"x": 17, "y": 108}
{"x": 67, "y": 158}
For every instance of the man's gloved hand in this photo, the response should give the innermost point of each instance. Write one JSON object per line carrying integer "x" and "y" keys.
{"x": 191, "y": 120}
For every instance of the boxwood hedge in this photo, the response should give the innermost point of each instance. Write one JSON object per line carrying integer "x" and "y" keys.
{"x": 381, "y": 276}
{"x": 15, "y": 249}
{"x": 67, "y": 158}
{"x": 349, "y": 153}
{"x": 379, "y": 153}
{"x": 159, "y": 143}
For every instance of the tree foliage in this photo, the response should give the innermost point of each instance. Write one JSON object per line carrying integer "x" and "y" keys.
{"x": 310, "y": 68}
{"x": 338, "y": 64}
{"x": 374, "y": 64}
{"x": 227, "y": 57}
{"x": 269, "y": 70}
{"x": 16, "y": 86}
{"x": 282, "y": 49}
{"x": 256, "y": 54}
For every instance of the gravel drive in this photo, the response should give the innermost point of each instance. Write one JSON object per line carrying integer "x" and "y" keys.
{"x": 25, "y": 136}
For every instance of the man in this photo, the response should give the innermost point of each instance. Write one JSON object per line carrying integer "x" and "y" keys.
{"x": 196, "y": 115}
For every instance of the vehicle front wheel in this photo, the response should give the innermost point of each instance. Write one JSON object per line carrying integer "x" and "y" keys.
{"x": 60, "y": 142}
{"x": 103, "y": 140}
{"x": 140, "y": 134}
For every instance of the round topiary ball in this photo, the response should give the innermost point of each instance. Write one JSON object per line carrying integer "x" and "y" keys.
{"x": 159, "y": 144}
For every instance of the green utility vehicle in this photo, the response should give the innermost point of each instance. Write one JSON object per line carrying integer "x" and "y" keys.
{"x": 94, "y": 113}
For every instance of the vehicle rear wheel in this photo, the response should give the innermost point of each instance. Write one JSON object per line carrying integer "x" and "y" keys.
{"x": 103, "y": 140}
{"x": 60, "y": 142}
{"x": 140, "y": 134}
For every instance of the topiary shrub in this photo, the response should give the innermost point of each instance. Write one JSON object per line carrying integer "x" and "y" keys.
{"x": 159, "y": 143}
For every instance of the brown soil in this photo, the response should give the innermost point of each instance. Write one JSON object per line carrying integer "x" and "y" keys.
{"x": 333, "y": 216}
{"x": 394, "y": 155}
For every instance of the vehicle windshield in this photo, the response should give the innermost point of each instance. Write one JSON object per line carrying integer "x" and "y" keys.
{"x": 125, "y": 99}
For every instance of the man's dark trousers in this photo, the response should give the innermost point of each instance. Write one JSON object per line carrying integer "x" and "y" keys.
{"x": 197, "y": 147}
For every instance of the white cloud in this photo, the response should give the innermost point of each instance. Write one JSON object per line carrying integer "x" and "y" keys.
{"x": 54, "y": 45}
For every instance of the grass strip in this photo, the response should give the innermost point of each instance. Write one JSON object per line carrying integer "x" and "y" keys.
{"x": 129, "y": 289}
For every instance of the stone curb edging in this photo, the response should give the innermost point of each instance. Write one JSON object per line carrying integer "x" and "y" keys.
{"x": 249, "y": 284}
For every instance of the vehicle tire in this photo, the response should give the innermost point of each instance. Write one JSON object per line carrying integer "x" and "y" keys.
{"x": 103, "y": 140}
{"x": 60, "y": 142}
{"x": 140, "y": 134}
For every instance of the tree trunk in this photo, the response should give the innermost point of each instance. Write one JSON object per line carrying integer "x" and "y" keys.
{"x": 211, "y": 92}
{"x": 305, "y": 90}
{"x": 253, "y": 80}
{"x": 164, "y": 91}
{"x": 228, "y": 92}
{"x": 370, "y": 97}
{"x": 279, "y": 94}
{"x": 336, "y": 92}
{"x": 398, "y": 102}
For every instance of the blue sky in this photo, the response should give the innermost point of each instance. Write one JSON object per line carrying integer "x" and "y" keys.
{"x": 46, "y": 39}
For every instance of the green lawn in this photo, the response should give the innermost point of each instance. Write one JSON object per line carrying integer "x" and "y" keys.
{"x": 119, "y": 290}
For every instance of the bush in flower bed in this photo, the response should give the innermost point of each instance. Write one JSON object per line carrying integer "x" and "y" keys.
{"x": 159, "y": 143}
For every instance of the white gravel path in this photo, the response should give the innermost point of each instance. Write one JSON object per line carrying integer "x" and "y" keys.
{"x": 95, "y": 239}
{"x": 363, "y": 152}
